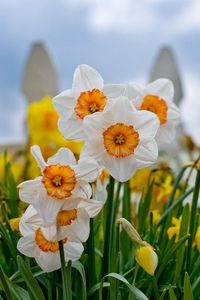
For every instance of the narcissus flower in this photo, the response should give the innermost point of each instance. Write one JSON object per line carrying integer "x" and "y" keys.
{"x": 121, "y": 139}
{"x": 197, "y": 238}
{"x": 87, "y": 96}
{"x": 14, "y": 224}
{"x": 157, "y": 97}
{"x": 175, "y": 229}
{"x": 63, "y": 183}
{"x": 41, "y": 242}
{"x": 145, "y": 254}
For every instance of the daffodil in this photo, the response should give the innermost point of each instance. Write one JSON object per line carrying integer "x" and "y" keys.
{"x": 14, "y": 224}
{"x": 41, "y": 242}
{"x": 63, "y": 183}
{"x": 87, "y": 96}
{"x": 157, "y": 97}
{"x": 175, "y": 229}
{"x": 121, "y": 139}
{"x": 156, "y": 215}
{"x": 145, "y": 254}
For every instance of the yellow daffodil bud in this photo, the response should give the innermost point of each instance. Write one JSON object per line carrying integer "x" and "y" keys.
{"x": 14, "y": 224}
{"x": 147, "y": 258}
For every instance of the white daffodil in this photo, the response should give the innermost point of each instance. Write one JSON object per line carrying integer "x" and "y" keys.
{"x": 87, "y": 96}
{"x": 41, "y": 242}
{"x": 121, "y": 138}
{"x": 63, "y": 183}
{"x": 157, "y": 97}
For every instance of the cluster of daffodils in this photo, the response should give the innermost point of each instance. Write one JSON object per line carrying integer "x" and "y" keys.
{"x": 120, "y": 125}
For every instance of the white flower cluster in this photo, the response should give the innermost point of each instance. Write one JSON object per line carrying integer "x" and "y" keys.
{"x": 120, "y": 125}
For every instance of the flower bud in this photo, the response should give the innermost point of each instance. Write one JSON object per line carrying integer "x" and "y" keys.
{"x": 147, "y": 258}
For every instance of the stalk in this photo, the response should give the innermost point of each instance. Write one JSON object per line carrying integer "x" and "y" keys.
{"x": 66, "y": 276}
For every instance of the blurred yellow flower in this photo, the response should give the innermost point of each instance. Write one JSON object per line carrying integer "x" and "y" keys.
{"x": 14, "y": 224}
{"x": 147, "y": 258}
{"x": 16, "y": 168}
{"x": 197, "y": 238}
{"x": 156, "y": 215}
{"x": 139, "y": 182}
{"x": 174, "y": 230}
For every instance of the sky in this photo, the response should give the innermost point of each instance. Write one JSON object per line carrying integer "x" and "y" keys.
{"x": 120, "y": 38}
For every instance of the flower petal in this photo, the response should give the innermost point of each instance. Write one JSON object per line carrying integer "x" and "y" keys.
{"x": 166, "y": 133}
{"x": 36, "y": 152}
{"x": 146, "y": 154}
{"x": 173, "y": 114}
{"x": 64, "y": 103}
{"x": 73, "y": 250}
{"x": 28, "y": 190}
{"x": 63, "y": 156}
{"x": 71, "y": 128}
{"x": 146, "y": 123}
{"x": 26, "y": 245}
{"x": 49, "y": 261}
{"x": 92, "y": 206}
{"x": 161, "y": 87}
{"x": 86, "y": 78}
{"x": 30, "y": 221}
{"x": 87, "y": 169}
{"x": 115, "y": 90}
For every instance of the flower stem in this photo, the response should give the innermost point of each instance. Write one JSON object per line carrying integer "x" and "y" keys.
{"x": 66, "y": 276}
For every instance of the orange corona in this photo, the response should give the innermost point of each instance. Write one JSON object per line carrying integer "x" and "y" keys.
{"x": 120, "y": 140}
{"x": 156, "y": 105}
{"x": 65, "y": 217}
{"x": 59, "y": 181}
{"x": 90, "y": 102}
{"x": 44, "y": 244}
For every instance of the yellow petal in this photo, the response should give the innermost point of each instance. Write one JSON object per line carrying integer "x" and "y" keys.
{"x": 147, "y": 258}
{"x": 14, "y": 224}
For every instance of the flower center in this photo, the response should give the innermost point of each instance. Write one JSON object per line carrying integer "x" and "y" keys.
{"x": 157, "y": 106}
{"x": 59, "y": 181}
{"x": 44, "y": 244}
{"x": 120, "y": 140}
{"x": 90, "y": 102}
{"x": 65, "y": 217}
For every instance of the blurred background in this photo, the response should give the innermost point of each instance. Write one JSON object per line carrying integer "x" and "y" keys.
{"x": 120, "y": 38}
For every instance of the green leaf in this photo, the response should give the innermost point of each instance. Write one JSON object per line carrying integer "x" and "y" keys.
{"x": 139, "y": 295}
{"x": 96, "y": 287}
{"x": 172, "y": 295}
{"x": 187, "y": 288}
{"x": 79, "y": 267}
{"x": 31, "y": 282}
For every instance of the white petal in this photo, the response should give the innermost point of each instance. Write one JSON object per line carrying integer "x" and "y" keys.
{"x": 121, "y": 169}
{"x": 36, "y": 152}
{"x": 92, "y": 206}
{"x": 81, "y": 190}
{"x": 50, "y": 232}
{"x": 71, "y": 202}
{"x": 86, "y": 78}
{"x": 63, "y": 156}
{"x": 146, "y": 123}
{"x": 166, "y": 133}
{"x": 87, "y": 169}
{"x": 30, "y": 221}
{"x": 173, "y": 114}
{"x": 28, "y": 190}
{"x": 79, "y": 229}
{"x": 146, "y": 154}
{"x": 118, "y": 110}
{"x": 49, "y": 261}
{"x": 115, "y": 90}
{"x": 73, "y": 250}
{"x": 136, "y": 93}
{"x": 161, "y": 87}
{"x": 26, "y": 245}
{"x": 64, "y": 103}
{"x": 71, "y": 128}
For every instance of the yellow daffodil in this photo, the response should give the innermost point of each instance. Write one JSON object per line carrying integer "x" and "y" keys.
{"x": 139, "y": 182}
{"x": 156, "y": 216}
{"x": 14, "y": 224}
{"x": 16, "y": 168}
{"x": 175, "y": 229}
{"x": 145, "y": 254}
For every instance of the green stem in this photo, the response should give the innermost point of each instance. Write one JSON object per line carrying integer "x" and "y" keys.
{"x": 109, "y": 229}
{"x": 65, "y": 275}
{"x": 91, "y": 256}
{"x": 192, "y": 219}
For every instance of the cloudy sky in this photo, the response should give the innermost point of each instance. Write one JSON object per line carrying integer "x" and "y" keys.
{"x": 120, "y": 38}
